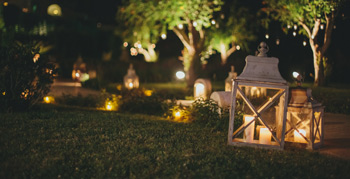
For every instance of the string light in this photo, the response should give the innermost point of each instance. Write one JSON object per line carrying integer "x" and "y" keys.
{"x": 321, "y": 26}
{"x": 180, "y": 26}
{"x": 238, "y": 47}
{"x": 267, "y": 36}
{"x": 163, "y": 36}
{"x": 213, "y": 22}
{"x": 195, "y": 24}
{"x": 288, "y": 26}
{"x": 295, "y": 27}
{"x": 277, "y": 41}
{"x": 125, "y": 44}
{"x": 294, "y": 33}
{"x": 304, "y": 43}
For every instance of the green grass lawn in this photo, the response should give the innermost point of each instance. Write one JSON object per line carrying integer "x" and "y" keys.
{"x": 61, "y": 142}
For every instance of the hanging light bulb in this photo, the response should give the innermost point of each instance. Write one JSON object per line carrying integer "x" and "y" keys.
{"x": 238, "y": 47}
{"x": 294, "y": 33}
{"x": 295, "y": 27}
{"x": 277, "y": 41}
{"x": 304, "y": 43}
{"x": 163, "y": 36}
{"x": 125, "y": 44}
{"x": 267, "y": 36}
{"x": 195, "y": 24}
{"x": 321, "y": 26}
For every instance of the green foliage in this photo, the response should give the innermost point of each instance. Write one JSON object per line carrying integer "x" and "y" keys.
{"x": 79, "y": 100}
{"x": 23, "y": 80}
{"x": 136, "y": 101}
{"x": 67, "y": 143}
{"x": 138, "y": 28}
{"x": 232, "y": 27}
{"x": 300, "y": 11}
{"x": 92, "y": 84}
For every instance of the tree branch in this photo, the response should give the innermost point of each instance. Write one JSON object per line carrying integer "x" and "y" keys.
{"x": 183, "y": 38}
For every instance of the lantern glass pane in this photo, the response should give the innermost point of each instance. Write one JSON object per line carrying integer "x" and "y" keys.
{"x": 297, "y": 126}
{"x": 257, "y": 117}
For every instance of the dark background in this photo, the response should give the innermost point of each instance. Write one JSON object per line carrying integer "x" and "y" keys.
{"x": 88, "y": 28}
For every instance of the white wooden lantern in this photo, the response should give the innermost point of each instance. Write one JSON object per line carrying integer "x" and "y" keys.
{"x": 304, "y": 119}
{"x": 228, "y": 81}
{"x": 202, "y": 88}
{"x": 253, "y": 119}
{"x": 131, "y": 80}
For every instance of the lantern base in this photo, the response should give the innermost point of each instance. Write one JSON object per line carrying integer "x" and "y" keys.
{"x": 255, "y": 143}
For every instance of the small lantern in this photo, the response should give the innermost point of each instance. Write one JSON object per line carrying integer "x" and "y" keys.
{"x": 253, "y": 120}
{"x": 202, "y": 88}
{"x": 131, "y": 80}
{"x": 304, "y": 119}
{"x": 79, "y": 69}
{"x": 231, "y": 76}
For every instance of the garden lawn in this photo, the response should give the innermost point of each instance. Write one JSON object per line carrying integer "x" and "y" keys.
{"x": 56, "y": 142}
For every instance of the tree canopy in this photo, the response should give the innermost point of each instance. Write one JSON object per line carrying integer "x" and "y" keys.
{"x": 312, "y": 16}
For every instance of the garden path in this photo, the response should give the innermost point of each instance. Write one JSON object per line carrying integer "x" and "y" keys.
{"x": 70, "y": 87}
{"x": 336, "y": 135}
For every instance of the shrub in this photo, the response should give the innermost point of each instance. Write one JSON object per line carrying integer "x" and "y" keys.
{"x": 136, "y": 101}
{"x": 79, "y": 100}
{"x": 25, "y": 76}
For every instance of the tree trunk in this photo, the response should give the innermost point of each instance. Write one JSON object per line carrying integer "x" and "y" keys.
{"x": 193, "y": 69}
{"x": 318, "y": 68}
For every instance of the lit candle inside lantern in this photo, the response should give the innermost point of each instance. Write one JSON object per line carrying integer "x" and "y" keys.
{"x": 131, "y": 85}
{"x": 264, "y": 136}
{"x": 298, "y": 137}
{"x": 249, "y": 131}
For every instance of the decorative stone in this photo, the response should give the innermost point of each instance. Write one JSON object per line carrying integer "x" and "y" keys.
{"x": 222, "y": 98}
{"x": 202, "y": 88}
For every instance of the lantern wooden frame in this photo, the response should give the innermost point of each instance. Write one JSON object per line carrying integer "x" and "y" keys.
{"x": 278, "y": 136}
{"x": 305, "y": 121}
{"x": 260, "y": 72}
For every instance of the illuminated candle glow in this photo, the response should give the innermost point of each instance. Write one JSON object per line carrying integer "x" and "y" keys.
{"x": 249, "y": 131}
{"x": 264, "y": 136}
{"x": 131, "y": 85}
{"x": 298, "y": 137}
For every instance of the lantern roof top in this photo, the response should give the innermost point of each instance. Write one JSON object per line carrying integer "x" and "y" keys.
{"x": 261, "y": 68}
